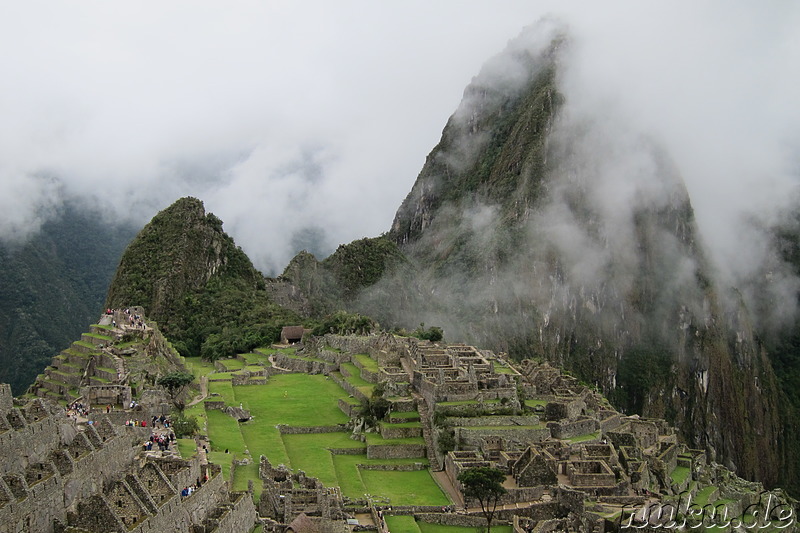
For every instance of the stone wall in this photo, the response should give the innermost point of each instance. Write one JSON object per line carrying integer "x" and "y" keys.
{"x": 473, "y": 437}
{"x": 564, "y": 409}
{"x": 452, "y": 519}
{"x": 302, "y": 366}
{"x": 306, "y": 430}
{"x": 348, "y": 451}
{"x": 6, "y": 399}
{"x": 240, "y": 516}
{"x": 403, "y": 405}
{"x": 390, "y": 431}
{"x": 348, "y": 408}
{"x": 411, "y": 467}
{"x": 28, "y": 442}
{"x": 395, "y": 451}
{"x": 493, "y": 421}
{"x": 352, "y": 390}
{"x": 568, "y": 430}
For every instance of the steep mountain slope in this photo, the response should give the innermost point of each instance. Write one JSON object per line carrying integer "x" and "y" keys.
{"x": 53, "y": 286}
{"x": 197, "y": 284}
{"x": 533, "y": 229}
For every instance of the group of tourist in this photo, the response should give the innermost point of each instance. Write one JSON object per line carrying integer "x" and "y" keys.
{"x": 163, "y": 441}
{"x": 77, "y": 409}
{"x": 136, "y": 423}
{"x": 134, "y": 320}
{"x": 188, "y": 491}
{"x": 162, "y": 421}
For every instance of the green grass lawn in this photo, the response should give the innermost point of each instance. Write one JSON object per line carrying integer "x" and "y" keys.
{"x": 232, "y": 364}
{"x": 535, "y": 403}
{"x": 585, "y": 438}
{"x": 310, "y": 453}
{"x": 254, "y": 358}
{"x": 701, "y": 498}
{"x": 187, "y": 447}
{"x": 402, "y": 524}
{"x": 680, "y": 474}
{"x": 198, "y": 411}
{"x": 291, "y": 399}
{"x": 99, "y": 336}
{"x": 427, "y": 527}
{"x": 223, "y": 432}
{"x": 501, "y": 368}
{"x": 355, "y": 379}
{"x": 408, "y": 414}
{"x": 198, "y": 366}
{"x": 404, "y": 488}
{"x": 367, "y": 362}
{"x": 224, "y": 460}
{"x": 349, "y": 475}
{"x": 294, "y": 400}
{"x": 244, "y": 473}
{"x": 224, "y": 389}
{"x": 264, "y": 439}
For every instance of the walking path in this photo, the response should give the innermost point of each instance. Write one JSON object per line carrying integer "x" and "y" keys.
{"x": 274, "y": 365}
{"x": 444, "y": 481}
{"x": 203, "y": 392}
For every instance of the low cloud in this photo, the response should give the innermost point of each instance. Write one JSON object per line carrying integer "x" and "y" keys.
{"x": 290, "y": 118}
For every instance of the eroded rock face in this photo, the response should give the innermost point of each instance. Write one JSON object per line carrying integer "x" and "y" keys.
{"x": 534, "y": 231}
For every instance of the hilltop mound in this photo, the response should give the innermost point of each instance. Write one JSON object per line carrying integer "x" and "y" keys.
{"x": 192, "y": 279}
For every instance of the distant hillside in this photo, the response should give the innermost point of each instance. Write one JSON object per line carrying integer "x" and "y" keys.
{"x": 53, "y": 286}
{"x": 200, "y": 288}
{"x": 333, "y": 283}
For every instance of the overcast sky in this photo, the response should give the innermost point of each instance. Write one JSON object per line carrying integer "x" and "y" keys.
{"x": 283, "y": 116}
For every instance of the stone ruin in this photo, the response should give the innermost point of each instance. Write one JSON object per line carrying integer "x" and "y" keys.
{"x": 61, "y": 476}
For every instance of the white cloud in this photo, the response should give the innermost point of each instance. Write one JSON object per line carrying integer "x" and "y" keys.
{"x": 130, "y": 106}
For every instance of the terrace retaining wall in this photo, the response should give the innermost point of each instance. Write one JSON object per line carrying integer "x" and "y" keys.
{"x": 308, "y": 430}
{"x": 410, "y": 467}
{"x": 452, "y": 519}
{"x": 395, "y": 451}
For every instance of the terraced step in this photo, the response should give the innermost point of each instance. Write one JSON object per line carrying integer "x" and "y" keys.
{"x": 73, "y": 379}
{"x": 97, "y": 339}
{"x": 106, "y": 373}
{"x": 401, "y": 430}
{"x": 102, "y": 329}
{"x": 399, "y": 418}
{"x": 57, "y": 387}
{"x": 84, "y": 347}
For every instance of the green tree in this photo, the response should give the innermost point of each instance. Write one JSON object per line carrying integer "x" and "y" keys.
{"x": 182, "y": 425}
{"x": 433, "y": 333}
{"x": 175, "y": 383}
{"x": 485, "y": 484}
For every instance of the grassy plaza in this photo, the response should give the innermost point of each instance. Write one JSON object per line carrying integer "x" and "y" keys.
{"x": 303, "y": 400}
